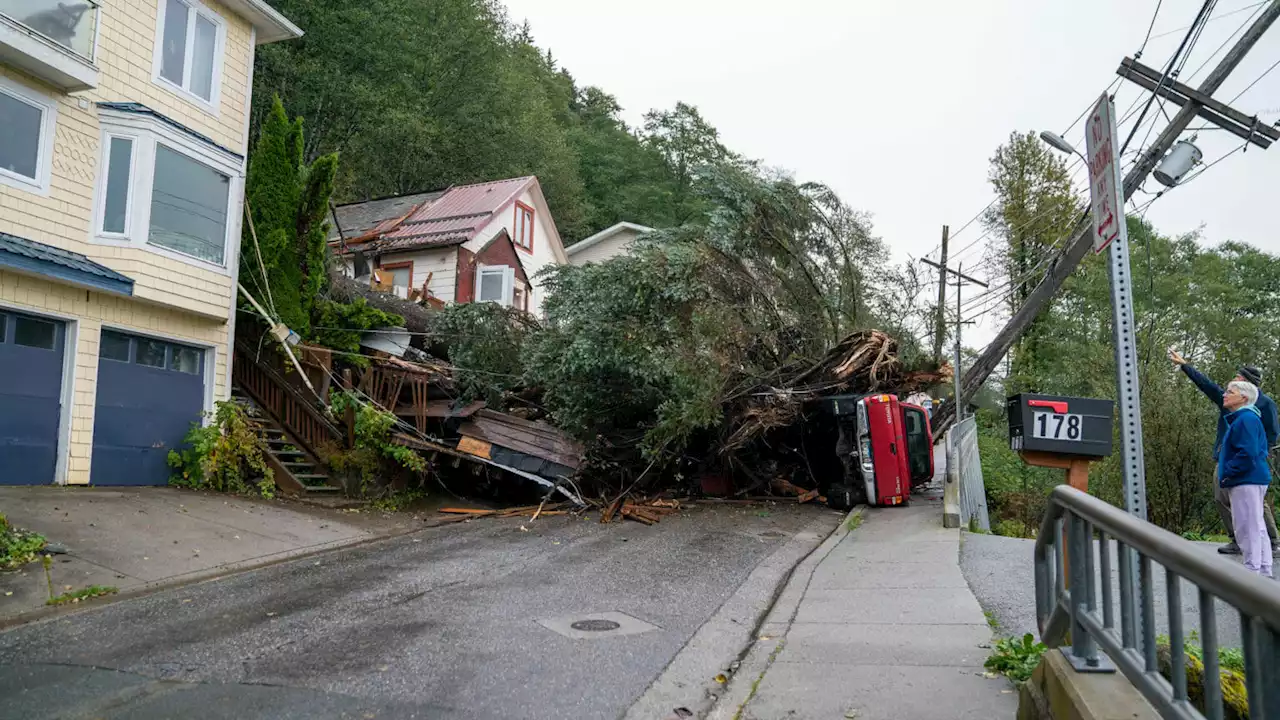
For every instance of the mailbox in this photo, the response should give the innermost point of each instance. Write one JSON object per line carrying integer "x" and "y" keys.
{"x": 1060, "y": 425}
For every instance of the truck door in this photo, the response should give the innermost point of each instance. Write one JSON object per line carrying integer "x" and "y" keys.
{"x": 919, "y": 443}
{"x": 888, "y": 450}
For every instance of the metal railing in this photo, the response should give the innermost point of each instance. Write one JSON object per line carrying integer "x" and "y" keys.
{"x": 1066, "y": 547}
{"x": 973, "y": 491}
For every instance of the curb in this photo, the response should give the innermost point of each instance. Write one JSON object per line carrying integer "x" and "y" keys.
{"x": 771, "y": 634}
{"x": 200, "y": 576}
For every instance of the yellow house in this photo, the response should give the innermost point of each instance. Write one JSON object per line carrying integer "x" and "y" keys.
{"x": 123, "y": 134}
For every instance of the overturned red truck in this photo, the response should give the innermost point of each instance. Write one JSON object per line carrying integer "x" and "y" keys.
{"x": 884, "y": 446}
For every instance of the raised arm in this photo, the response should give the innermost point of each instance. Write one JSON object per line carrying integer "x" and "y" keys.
{"x": 1210, "y": 388}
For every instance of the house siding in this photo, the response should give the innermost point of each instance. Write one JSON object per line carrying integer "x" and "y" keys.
{"x": 440, "y": 263}
{"x": 605, "y": 249}
{"x": 542, "y": 255}
{"x": 171, "y": 298}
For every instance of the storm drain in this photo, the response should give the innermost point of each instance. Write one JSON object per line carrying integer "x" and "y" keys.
{"x": 597, "y": 625}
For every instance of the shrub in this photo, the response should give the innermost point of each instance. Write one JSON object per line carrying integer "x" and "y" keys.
{"x": 1016, "y": 658}
{"x": 226, "y": 456}
{"x": 17, "y": 547}
{"x": 1230, "y": 669}
{"x": 374, "y": 455}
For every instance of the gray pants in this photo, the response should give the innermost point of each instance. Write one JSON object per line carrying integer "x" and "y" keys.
{"x": 1222, "y": 498}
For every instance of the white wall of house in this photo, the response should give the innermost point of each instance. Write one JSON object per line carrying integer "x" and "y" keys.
{"x": 544, "y": 241}
{"x": 607, "y": 248}
{"x": 441, "y": 264}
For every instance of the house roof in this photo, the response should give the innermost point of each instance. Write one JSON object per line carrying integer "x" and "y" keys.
{"x": 605, "y": 235}
{"x": 29, "y": 256}
{"x": 269, "y": 24}
{"x": 425, "y": 220}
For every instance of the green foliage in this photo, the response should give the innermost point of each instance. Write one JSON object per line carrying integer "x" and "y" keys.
{"x": 1230, "y": 668}
{"x": 288, "y": 200}
{"x": 17, "y": 547}
{"x": 395, "y": 502}
{"x": 1016, "y": 658}
{"x": 417, "y": 95}
{"x": 659, "y": 338}
{"x": 93, "y": 591}
{"x": 351, "y": 320}
{"x": 226, "y": 456}
{"x": 368, "y": 461}
{"x": 483, "y": 342}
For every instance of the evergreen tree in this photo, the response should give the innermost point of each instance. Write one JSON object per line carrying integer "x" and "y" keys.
{"x": 285, "y": 265}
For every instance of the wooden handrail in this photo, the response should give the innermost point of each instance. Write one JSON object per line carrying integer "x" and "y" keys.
{"x": 294, "y": 411}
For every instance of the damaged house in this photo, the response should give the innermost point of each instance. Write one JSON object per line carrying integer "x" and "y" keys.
{"x": 470, "y": 243}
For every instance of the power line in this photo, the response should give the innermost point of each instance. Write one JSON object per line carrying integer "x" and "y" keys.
{"x": 1255, "y": 82}
{"x": 1247, "y": 22}
{"x": 1224, "y": 16}
{"x": 1150, "y": 27}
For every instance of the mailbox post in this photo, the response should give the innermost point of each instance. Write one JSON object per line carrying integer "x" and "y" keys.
{"x": 1060, "y": 432}
{"x": 1066, "y": 433}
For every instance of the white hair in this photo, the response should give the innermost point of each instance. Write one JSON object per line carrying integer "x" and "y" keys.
{"x": 1247, "y": 389}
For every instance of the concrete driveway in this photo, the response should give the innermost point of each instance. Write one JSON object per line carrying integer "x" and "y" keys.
{"x": 131, "y": 538}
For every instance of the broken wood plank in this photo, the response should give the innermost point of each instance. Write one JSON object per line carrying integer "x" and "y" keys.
{"x": 468, "y": 511}
{"x": 630, "y": 512}
{"x": 811, "y": 495}
{"x": 606, "y": 516}
{"x": 472, "y": 446}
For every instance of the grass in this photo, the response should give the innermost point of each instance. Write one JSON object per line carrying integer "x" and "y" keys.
{"x": 1016, "y": 658}
{"x": 992, "y": 622}
{"x": 18, "y": 547}
{"x": 75, "y": 596}
{"x": 1205, "y": 537}
{"x": 854, "y": 521}
{"x": 398, "y": 501}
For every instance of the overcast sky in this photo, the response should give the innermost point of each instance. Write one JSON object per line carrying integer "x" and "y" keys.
{"x": 899, "y": 106}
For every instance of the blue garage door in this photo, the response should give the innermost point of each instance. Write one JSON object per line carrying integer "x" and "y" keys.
{"x": 149, "y": 393}
{"x": 30, "y": 398}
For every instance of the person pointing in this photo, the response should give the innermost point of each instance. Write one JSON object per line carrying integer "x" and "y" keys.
{"x": 1266, "y": 408}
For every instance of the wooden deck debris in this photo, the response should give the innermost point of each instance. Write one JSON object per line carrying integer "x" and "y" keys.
{"x": 811, "y": 495}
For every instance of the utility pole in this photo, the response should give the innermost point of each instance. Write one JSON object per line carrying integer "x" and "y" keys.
{"x": 940, "y": 323}
{"x": 1196, "y": 103}
{"x": 961, "y": 281}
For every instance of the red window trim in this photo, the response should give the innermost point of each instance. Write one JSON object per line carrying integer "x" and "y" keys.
{"x": 515, "y": 226}
{"x": 399, "y": 266}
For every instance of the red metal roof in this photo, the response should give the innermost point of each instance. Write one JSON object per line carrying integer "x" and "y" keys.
{"x": 451, "y": 219}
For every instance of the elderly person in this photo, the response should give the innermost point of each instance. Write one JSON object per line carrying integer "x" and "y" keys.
{"x": 1244, "y": 473}
{"x": 1270, "y": 425}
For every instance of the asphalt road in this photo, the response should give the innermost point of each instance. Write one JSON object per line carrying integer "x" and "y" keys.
{"x": 1001, "y": 572}
{"x": 440, "y": 624}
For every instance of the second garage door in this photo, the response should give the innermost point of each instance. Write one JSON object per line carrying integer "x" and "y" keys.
{"x": 149, "y": 393}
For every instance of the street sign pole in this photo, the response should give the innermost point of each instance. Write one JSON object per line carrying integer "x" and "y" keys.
{"x": 1106, "y": 190}
{"x": 1110, "y": 233}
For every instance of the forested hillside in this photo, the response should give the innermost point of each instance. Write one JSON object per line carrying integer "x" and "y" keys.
{"x": 422, "y": 94}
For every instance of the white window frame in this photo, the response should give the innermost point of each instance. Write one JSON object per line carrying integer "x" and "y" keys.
{"x": 219, "y": 51}
{"x": 508, "y": 282}
{"x": 48, "y": 108}
{"x": 146, "y": 131}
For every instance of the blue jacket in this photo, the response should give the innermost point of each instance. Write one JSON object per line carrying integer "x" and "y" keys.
{"x": 1243, "y": 458}
{"x": 1266, "y": 408}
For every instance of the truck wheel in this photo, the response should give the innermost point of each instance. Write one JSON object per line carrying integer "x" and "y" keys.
{"x": 840, "y": 498}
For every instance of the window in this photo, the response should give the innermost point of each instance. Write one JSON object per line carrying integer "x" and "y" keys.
{"x": 163, "y": 191}
{"x": 115, "y": 212}
{"x": 26, "y": 144}
{"x": 524, "y": 227}
{"x": 157, "y": 354}
{"x": 30, "y": 332}
{"x": 188, "y": 207}
{"x": 494, "y": 284}
{"x": 400, "y": 274}
{"x": 114, "y": 346}
{"x": 188, "y": 54}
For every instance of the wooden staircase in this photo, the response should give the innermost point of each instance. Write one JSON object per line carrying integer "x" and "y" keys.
{"x": 291, "y": 424}
{"x": 296, "y": 470}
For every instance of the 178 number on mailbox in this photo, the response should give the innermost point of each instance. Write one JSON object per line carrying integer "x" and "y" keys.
{"x": 1057, "y": 426}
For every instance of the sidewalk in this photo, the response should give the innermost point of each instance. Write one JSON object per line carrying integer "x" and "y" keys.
{"x": 878, "y": 624}
{"x": 134, "y": 537}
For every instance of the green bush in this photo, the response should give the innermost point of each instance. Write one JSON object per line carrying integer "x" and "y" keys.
{"x": 226, "y": 456}
{"x": 17, "y": 547}
{"x": 368, "y": 462}
{"x": 1016, "y": 658}
{"x": 345, "y": 323}
{"x": 1230, "y": 668}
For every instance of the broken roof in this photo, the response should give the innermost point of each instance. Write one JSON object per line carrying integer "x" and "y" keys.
{"x": 424, "y": 220}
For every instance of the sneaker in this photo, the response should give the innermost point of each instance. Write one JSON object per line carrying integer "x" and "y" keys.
{"x": 1230, "y": 548}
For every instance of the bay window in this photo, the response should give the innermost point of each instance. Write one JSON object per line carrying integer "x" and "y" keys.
{"x": 166, "y": 192}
